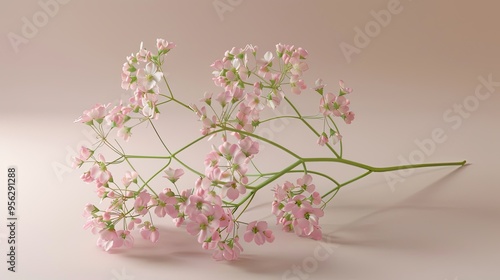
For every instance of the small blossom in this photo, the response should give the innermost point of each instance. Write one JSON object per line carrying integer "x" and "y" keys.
{"x": 173, "y": 174}
{"x": 258, "y": 231}
{"x": 130, "y": 177}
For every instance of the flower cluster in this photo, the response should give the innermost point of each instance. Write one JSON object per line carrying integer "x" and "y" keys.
{"x": 211, "y": 209}
{"x": 294, "y": 207}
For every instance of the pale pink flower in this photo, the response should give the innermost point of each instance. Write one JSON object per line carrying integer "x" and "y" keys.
{"x": 202, "y": 227}
{"x": 341, "y": 106}
{"x": 211, "y": 242}
{"x": 343, "y": 89}
{"x": 86, "y": 177}
{"x": 84, "y": 154}
{"x": 97, "y": 113}
{"x": 95, "y": 224}
{"x": 306, "y": 183}
{"x": 149, "y": 232}
{"x": 148, "y": 77}
{"x": 133, "y": 222}
{"x": 297, "y": 85}
{"x": 141, "y": 203}
{"x": 248, "y": 146}
{"x": 173, "y": 174}
{"x": 124, "y": 132}
{"x": 100, "y": 173}
{"x": 212, "y": 159}
{"x": 89, "y": 210}
{"x": 258, "y": 232}
{"x": 336, "y": 137}
{"x": 117, "y": 116}
{"x": 298, "y": 66}
{"x": 316, "y": 198}
{"x": 207, "y": 98}
{"x": 232, "y": 190}
{"x": 164, "y": 204}
{"x": 326, "y": 103}
{"x": 319, "y": 86}
{"x": 164, "y": 46}
{"x": 228, "y": 250}
{"x": 130, "y": 177}
{"x": 305, "y": 220}
{"x": 323, "y": 139}
{"x": 124, "y": 238}
{"x": 349, "y": 117}
{"x": 106, "y": 239}
{"x": 149, "y": 108}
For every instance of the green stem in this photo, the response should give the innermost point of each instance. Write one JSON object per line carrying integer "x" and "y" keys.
{"x": 345, "y": 184}
{"x": 383, "y": 169}
{"x": 310, "y": 127}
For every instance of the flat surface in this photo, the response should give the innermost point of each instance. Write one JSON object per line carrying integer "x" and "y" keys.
{"x": 421, "y": 71}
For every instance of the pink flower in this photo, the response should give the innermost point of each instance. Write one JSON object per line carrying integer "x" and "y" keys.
{"x": 124, "y": 238}
{"x": 341, "y": 106}
{"x": 202, "y": 227}
{"x": 85, "y": 154}
{"x": 141, "y": 203}
{"x": 95, "y": 225}
{"x": 124, "y": 132}
{"x": 86, "y": 177}
{"x": 248, "y": 146}
{"x": 258, "y": 231}
{"x": 323, "y": 139}
{"x": 228, "y": 250}
{"x": 343, "y": 89}
{"x": 173, "y": 174}
{"x": 100, "y": 173}
{"x": 89, "y": 210}
{"x": 306, "y": 183}
{"x": 149, "y": 232}
{"x": 133, "y": 222}
{"x": 319, "y": 86}
{"x": 326, "y": 103}
{"x": 117, "y": 116}
{"x": 164, "y": 46}
{"x": 106, "y": 239}
{"x": 298, "y": 66}
{"x": 232, "y": 190}
{"x": 130, "y": 176}
{"x": 164, "y": 204}
{"x": 97, "y": 113}
{"x": 349, "y": 117}
{"x": 305, "y": 220}
{"x": 297, "y": 85}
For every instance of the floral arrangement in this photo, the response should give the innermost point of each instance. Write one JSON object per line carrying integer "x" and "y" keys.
{"x": 211, "y": 208}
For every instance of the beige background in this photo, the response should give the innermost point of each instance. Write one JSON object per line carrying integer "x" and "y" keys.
{"x": 435, "y": 224}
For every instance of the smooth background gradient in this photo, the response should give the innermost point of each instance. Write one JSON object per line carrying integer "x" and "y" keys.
{"x": 436, "y": 224}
